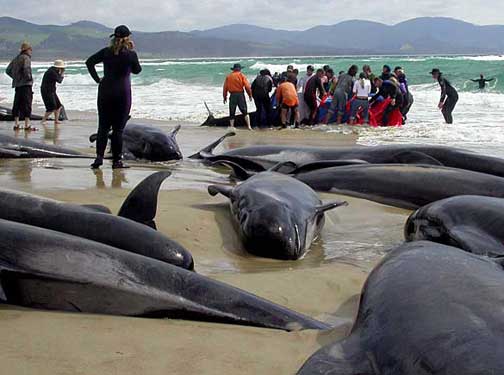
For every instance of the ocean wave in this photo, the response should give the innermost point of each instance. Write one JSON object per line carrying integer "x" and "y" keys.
{"x": 185, "y": 63}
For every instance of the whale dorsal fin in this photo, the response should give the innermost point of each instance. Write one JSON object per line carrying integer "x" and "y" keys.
{"x": 214, "y": 190}
{"x": 415, "y": 157}
{"x": 141, "y": 203}
{"x": 330, "y": 206}
{"x": 341, "y": 358}
{"x": 175, "y": 131}
{"x": 209, "y": 149}
{"x": 239, "y": 172}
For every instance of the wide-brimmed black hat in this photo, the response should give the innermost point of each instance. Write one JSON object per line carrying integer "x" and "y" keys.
{"x": 237, "y": 67}
{"x": 121, "y": 31}
{"x": 435, "y": 71}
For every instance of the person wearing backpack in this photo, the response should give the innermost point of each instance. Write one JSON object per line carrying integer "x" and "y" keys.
{"x": 261, "y": 88}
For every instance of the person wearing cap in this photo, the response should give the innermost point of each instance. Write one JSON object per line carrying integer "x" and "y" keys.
{"x": 52, "y": 76}
{"x": 449, "y": 96}
{"x": 235, "y": 84}
{"x": 20, "y": 71}
{"x": 114, "y": 92}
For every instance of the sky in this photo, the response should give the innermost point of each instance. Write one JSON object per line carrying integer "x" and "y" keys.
{"x": 185, "y": 15}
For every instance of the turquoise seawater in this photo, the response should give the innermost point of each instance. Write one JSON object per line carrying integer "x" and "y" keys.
{"x": 175, "y": 89}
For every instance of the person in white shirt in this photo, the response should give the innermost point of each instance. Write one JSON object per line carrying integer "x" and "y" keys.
{"x": 304, "y": 112}
{"x": 361, "y": 91}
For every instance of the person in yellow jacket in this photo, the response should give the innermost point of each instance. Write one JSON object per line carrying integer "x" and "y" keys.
{"x": 235, "y": 85}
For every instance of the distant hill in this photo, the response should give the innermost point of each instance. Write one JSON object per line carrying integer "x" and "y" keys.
{"x": 417, "y": 36}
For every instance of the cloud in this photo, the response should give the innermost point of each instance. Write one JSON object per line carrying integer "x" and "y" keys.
{"x": 155, "y": 15}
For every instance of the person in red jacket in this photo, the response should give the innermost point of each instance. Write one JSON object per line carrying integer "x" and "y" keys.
{"x": 287, "y": 97}
{"x": 235, "y": 85}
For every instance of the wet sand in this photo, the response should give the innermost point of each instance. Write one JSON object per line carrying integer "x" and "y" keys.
{"x": 325, "y": 284}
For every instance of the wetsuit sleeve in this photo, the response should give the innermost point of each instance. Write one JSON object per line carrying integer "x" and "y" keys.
{"x": 442, "y": 83}
{"x": 136, "y": 68}
{"x": 490, "y": 80}
{"x": 94, "y": 60}
{"x": 475, "y": 80}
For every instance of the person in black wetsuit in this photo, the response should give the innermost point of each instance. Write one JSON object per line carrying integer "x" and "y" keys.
{"x": 482, "y": 81}
{"x": 114, "y": 92}
{"x": 261, "y": 89}
{"x": 53, "y": 75}
{"x": 313, "y": 85}
{"x": 388, "y": 89}
{"x": 449, "y": 96}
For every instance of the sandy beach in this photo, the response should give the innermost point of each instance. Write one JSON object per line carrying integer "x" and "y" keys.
{"x": 325, "y": 284}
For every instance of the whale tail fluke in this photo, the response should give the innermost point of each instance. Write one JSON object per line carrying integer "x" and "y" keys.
{"x": 214, "y": 190}
{"x": 141, "y": 203}
{"x": 175, "y": 131}
{"x": 209, "y": 149}
{"x": 238, "y": 171}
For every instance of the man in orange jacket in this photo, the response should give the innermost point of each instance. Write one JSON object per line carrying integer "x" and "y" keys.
{"x": 234, "y": 84}
{"x": 287, "y": 97}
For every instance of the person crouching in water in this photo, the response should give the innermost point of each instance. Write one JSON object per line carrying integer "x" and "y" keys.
{"x": 361, "y": 91}
{"x": 20, "y": 71}
{"x": 53, "y": 75}
{"x": 235, "y": 84}
{"x": 286, "y": 95}
{"x": 114, "y": 92}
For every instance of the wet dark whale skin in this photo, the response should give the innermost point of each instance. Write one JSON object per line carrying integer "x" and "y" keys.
{"x": 26, "y": 149}
{"x": 404, "y": 186}
{"x": 472, "y": 223}
{"x": 43, "y": 269}
{"x": 115, "y": 231}
{"x": 277, "y": 216}
{"x": 425, "y": 309}
{"x": 150, "y": 143}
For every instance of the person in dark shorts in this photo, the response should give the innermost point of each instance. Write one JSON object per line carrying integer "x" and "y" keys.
{"x": 261, "y": 88}
{"x": 52, "y": 76}
{"x": 235, "y": 84}
{"x": 313, "y": 85}
{"x": 20, "y": 71}
{"x": 287, "y": 97}
{"x": 482, "y": 81}
{"x": 449, "y": 96}
{"x": 114, "y": 92}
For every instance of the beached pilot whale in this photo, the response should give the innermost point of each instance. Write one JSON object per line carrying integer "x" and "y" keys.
{"x": 277, "y": 216}
{"x": 263, "y": 157}
{"x": 425, "y": 309}
{"x": 43, "y": 269}
{"x": 130, "y": 231}
{"x": 472, "y": 223}
{"x": 11, "y": 147}
{"x": 6, "y": 115}
{"x": 401, "y": 185}
{"x": 144, "y": 142}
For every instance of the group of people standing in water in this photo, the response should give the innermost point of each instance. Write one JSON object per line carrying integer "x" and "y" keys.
{"x": 119, "y": 60}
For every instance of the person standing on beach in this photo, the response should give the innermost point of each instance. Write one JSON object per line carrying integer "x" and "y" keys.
{"x": 114, "y": 92}
{"x": 482, "y": 81}
{"x": 235, "y": 84}
{"x": 310, "y": 94}
{"x": 261, "y": 88}
{"x": 53, "y": 75}
{"x": 20, "y": 71}
{"x": 449, "y": 96}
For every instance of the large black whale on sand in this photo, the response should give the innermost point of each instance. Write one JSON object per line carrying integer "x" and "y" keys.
{"x": 130, "y": 231}
{"x": 44, "y": 269}
{"x": 472, "y": 223}
{"x": 143, "y": 142}
{"x": 425, "y": 309}
{"x": 263, "y": 157}
{"x": 277, "y": 216}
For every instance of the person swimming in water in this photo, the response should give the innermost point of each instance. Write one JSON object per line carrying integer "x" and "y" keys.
{"x": 482, "y": 81}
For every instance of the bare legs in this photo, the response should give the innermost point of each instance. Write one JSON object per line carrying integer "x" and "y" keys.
{"x": 56, "y": 117}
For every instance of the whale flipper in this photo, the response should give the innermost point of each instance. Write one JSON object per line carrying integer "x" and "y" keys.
{"x": 8, "y": 153}
{"x": 141, "y": 204}
{"x": 415, "y": 157}
{"x": 209, "y": 149}
{"x": 330, "y": 206}
{"x": 238, "y": 171}
{"x": 341, "y": 358}
{"x": 214, "y": 190}
{"x": 175, "y": 131}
